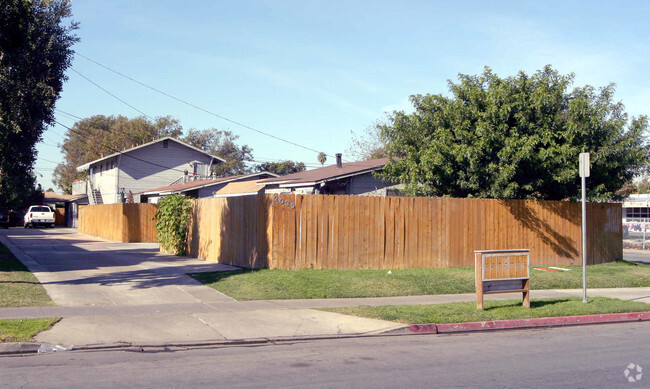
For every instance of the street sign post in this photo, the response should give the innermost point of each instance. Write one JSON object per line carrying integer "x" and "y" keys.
{"x": 584, "y": 173}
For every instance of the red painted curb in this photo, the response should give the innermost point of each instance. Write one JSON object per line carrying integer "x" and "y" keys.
{"x": 531, "y": 323}
{"x": 424, "y": 328}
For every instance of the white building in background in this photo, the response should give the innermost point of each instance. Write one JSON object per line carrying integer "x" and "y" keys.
{"x": 636, "y": 210}
{"x": 165, "y": 161}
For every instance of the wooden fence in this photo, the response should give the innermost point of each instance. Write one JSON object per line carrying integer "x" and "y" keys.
{"x": 59, "y": 216}
{"x": 231, "y": 230}
{"x": 120, "y": 222}
{"x": 355, "y": 232}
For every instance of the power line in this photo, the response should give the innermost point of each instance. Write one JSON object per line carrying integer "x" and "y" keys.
{"x": 48, "y": 144}
{"x": 46, "y": 160}
{"x": 69, "y": 114}
{"x": 254, "y": 160}
{"x": 251, "y": 161}
{"x": 98, "y": 86}
{"x": 199, "y": 108}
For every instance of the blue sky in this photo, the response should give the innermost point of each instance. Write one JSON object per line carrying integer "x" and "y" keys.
{"x": 311, "y": 72}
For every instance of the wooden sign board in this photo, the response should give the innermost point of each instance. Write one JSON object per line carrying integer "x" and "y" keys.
{"x": 502, "y": 271}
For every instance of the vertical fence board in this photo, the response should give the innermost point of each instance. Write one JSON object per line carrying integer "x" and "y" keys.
{"x": 119, "y": 222}
{"x": 347, "y": 232}
{"x": 394, "y": 232}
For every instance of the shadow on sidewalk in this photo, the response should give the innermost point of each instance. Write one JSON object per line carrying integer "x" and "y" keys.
{"x": 70, "y": 254}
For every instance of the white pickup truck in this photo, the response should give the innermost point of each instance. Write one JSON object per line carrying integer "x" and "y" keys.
{"x": 39, "y": 215}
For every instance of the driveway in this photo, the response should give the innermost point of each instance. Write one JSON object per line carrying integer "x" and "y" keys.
{"x": 110, "y": 292}
{"x": 78, "y": 270}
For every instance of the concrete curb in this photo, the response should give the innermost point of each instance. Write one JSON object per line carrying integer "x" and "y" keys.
{"x": 527, "y": 323}
{"x": 33, "y": 348}
{"x": 19, "y": 348}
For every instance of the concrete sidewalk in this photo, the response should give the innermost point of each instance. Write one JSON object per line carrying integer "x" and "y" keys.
{"x": 234, "y": 321}
{"x": 110, "y": 292}
{"x": 114, "y": 293}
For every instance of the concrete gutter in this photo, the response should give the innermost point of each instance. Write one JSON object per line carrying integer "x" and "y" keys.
{"x": 413, "y": 329}
{"x": 525, "y": 323}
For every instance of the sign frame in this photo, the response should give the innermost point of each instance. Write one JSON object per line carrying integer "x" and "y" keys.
{"x": 505, "y": 276}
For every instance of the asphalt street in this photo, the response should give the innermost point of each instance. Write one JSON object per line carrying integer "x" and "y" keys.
{"x": 569, "y": 357}
{"x": 641, "y": 256}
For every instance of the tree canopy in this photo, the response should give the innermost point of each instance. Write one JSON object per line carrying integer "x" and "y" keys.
{"x": 35, "y": 51}
{"x": 517, "y": 137}
{"x": 222, "y": 144}
{"x": 643, "y": 186}
{"x": 91, "y": 138}
{"x": 322, "y": 157}
{"x": 368, "y": 145}
{"x": 281, "y": 168}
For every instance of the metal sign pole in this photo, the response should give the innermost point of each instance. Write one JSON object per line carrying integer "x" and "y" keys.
{"x": 584, "y": 173}
{"x": 584, "y": 241}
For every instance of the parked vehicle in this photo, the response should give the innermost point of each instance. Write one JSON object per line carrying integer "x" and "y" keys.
{"x": 4, "y": 218}
{"x": 39, "y": 215}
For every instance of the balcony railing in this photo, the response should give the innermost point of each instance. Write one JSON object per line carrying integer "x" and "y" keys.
{"x": 191, "y": 178}
{"x": 80, "y": 187}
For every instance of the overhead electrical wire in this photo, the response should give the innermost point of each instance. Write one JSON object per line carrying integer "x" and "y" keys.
{"x": 47, "y": 160}
{"x": 199, "y": 108}
{"x": 69, "y": 114}
{"x": 254, "y": 160}
{"x": 114, "y": 150}
{"x": 100, "y": 87}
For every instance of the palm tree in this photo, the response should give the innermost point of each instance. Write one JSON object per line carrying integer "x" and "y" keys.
{"x": 322, "y": 157}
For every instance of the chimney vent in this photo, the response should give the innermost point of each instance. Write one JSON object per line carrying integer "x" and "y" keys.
{"x": 339, "y": 163}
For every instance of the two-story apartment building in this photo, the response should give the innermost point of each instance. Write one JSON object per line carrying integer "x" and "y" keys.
{"x": 166, "y": 161}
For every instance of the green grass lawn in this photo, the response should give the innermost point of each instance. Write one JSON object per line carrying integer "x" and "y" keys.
{"x": 308, "y": 284}
{"x": 19, "y": 287}
{"x": 494, "y": 310}
{"x": 23, "y": 330}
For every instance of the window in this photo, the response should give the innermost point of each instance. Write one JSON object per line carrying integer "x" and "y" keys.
{"x": 165, "y": 144}
{"x": 637, "y": 213}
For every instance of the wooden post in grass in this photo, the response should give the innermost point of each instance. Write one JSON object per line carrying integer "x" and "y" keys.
{"x": 502, "y": 271}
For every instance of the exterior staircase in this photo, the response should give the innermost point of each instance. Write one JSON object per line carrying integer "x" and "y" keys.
{"x": 95, "y": 194}
{"x": 97, "y": 197}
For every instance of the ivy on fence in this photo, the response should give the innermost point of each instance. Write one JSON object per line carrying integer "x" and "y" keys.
{"x": 172, "y": 223}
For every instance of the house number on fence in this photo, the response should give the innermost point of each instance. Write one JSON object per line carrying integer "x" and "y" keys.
{"x": 284, "y": 202}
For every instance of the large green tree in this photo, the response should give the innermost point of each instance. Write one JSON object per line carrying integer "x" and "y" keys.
{"x": 281, "y": 168}
{"x": 35, "y": 51}
{"x": 517, "y": 137}
{"x": 223, "y": 145}
{"x": 367, "y": 145}
{"x": 643, "y": 186}
{"x": 91, "y": 138}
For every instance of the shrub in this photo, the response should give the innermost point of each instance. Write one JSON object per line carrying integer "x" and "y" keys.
{"x": 172, "y": 222}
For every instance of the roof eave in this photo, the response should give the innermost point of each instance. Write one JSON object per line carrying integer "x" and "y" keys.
{"x": 87, "y": 165}
{"x": 333, "y": 178}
